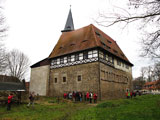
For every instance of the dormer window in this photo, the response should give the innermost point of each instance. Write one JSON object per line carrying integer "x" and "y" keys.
{"x": 115, "y": 51}
{"x": 60, "y": 47}
{"x": 84, "y": 41}
{"x": 103, "y": 43}
{"x": 72, "y": 44}
{"x": 108, "y": 47}
{"x": 98, "y": 34}
{"x": 109, "y": 41}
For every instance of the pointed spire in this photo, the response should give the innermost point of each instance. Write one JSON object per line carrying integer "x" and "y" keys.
{"x": 69, "y": 23}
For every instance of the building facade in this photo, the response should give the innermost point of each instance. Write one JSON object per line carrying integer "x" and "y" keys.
{"x": 83, "y": 60}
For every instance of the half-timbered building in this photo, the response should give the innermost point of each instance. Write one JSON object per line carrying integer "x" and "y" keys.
{"x": 83, "y": 60}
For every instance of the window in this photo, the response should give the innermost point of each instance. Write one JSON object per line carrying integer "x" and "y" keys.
{"x": 55, "y": 80}
{"x": 81, "y": 56}
{"x": 122, "y": 64}
{"x": 103, "y": 74}
{"x": 106, "y": 57}
{"x": 101, "y": 54}
{"x": 85, "y": 55}
{"x": 79, "y": 78}
{"x": 64, "y": 79}
{"x": 95, "y": 53}
{"x": 110, "y": 59}
{"x": 118, "y": 62}
{"x": 90, "y": 54}
{"x": 106, "y": 75}
{"x": 65, "y": 59}
{"x": 62, "y": 60}
{"x": 77, "y": 57}
{"x": 72, "y": 58}
{"x": 58, "y": 61}
{"x": 54, "y": 62}
{"x": 127, "y": 66}
{"x": 69, "y": 58}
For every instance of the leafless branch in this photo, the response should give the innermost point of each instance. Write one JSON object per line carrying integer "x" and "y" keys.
{"x": 18, "y": 64}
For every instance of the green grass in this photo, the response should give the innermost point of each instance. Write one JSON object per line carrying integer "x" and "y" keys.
{"x": 145, "y": 107}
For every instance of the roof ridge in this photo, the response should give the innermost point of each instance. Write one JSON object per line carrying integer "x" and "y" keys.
{"x": 92, "y": 26}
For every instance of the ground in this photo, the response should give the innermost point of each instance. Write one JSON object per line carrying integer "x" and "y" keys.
{"x": 146, "y": 107}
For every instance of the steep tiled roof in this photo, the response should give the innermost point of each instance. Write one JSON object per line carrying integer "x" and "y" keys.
{"x": 152, "y": 83}
{"x": 86, "y": 38}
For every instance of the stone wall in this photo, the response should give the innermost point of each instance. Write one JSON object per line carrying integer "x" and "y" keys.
{"x": 114, "y": 82}
{"x": 89, "y": 74}
{"x": 39, "y": 80}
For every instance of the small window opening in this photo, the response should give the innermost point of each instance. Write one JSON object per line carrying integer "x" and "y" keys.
{"x": 55, "y": 80}
{"x": 64, "y": 79}
{"x": 79, "y": 78}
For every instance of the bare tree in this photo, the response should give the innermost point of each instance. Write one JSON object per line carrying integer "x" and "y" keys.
{"x": 138, "y": 83}
{"x": 3, "y": 29}
{"x": 156, "y": 71}
{"x": 143, "y": 73}
{"x": 150, "y": 73}
{"x": 18, "y": 64}
{"x": 146, "y": 10}
{"x": 3, "y": 64}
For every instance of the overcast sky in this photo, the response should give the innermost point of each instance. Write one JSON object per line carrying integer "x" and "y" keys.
{"x": 35, "y": 26}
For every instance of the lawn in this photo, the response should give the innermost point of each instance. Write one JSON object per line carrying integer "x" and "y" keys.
{"x": 146, "y": 107}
